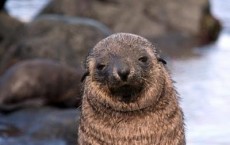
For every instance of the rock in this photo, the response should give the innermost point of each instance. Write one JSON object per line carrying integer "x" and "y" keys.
{"x": 167, "y": 24}
{"x": 66, "y": 39}
{"x": 39, "y": 82}
{"x": 9, "y": 27}
{"x": 77, "y": 21}
{"x": 2, "y": 4}
{"x": 210, "y": 27}
{"x": 80, "y": 8}
{"x": 147, "y": 18}
{"x": 9, "y": 130}
{"x": 42, "y": 126}
{"x": 29, "y": 141}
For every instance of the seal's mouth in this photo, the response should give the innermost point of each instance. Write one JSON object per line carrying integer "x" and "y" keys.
{"x": 126, "y": 93}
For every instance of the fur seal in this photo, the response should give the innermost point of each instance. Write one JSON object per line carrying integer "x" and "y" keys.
{"x": 39, "y": 82}
{"x": 129, "y": 97}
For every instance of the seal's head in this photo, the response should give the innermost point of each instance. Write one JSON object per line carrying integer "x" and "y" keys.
{"x": 124, "y": 73}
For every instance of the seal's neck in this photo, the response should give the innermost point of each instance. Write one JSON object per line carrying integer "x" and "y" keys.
{"x": 167, "y": 101}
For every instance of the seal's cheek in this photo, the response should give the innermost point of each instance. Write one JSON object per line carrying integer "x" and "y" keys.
{"x": 100, "y": 76}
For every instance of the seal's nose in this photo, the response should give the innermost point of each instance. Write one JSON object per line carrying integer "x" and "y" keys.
{"x": 123, "y": 73}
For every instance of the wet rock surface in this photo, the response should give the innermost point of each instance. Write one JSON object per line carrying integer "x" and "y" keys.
{"x": 40, "y": 67}
{"x": 157, "y": 17}
{"x": 2, "y": 4}
{"x": 170, "y": 25}
{"x": 210, "y": 26}
{"x": 9, "y": 28}
{"x": 65, "y": 39}
{"x": 39, "y": 126}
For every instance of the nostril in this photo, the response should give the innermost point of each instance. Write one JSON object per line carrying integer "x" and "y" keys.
{"x": 123, "y": 74}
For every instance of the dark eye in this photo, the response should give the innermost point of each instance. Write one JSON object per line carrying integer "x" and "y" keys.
{"x": 143, "y": 59}
{"x": 100, "y": 66}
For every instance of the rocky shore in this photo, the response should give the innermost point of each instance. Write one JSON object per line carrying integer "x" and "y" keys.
{"x": 41, "y": 62}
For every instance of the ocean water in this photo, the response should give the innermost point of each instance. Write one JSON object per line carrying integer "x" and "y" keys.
{"x": 203, "y": 82}
{"x": 204, "y": 85}
{"x": 25, "y": 10}
{"x": 221, "y": 9}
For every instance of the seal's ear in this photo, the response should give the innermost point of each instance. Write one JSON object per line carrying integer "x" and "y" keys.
{"x": 162, "y": 60}
{"x": 159, "y": 58}
{"x": 84, "y": 76}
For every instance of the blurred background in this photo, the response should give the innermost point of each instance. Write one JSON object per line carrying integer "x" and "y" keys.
{"x": 43, "y": 44}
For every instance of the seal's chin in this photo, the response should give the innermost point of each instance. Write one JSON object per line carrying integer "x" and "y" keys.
{"x": 126, "y": 93}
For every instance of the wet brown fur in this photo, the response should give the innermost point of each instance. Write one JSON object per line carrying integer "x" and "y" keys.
{"x": 39, "y": 82}
{"x": 153, "y": 118}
